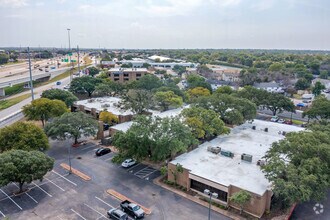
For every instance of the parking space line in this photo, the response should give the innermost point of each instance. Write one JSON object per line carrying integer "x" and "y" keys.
{"x": 132, "y": 167}
{"x": 59, "y": 217}
{"x": 141, "y": 170}
{"x": 95, "y": 210}
{"x": 2, "y": 214}
{"x": 104, "y": 202}
{"x": 55, "y": 184}
{"x": 87, "y": 147}
{"x": 27, "y": 194}
{"x": 64, "y": 178}
{"x": 11, "y": 199}
{"x": 43, "y": 190}
{"x": 149, "y": 174}
{"x": 78, "y": 214}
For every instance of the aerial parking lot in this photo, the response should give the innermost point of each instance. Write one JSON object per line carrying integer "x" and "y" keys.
{"x": 66, "y": 196}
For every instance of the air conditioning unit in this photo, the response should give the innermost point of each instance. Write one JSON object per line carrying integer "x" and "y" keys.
{"x": 227, "y": 153}
{"x": 261, "y": 162}
{"x": 214, "y": 150}
{"x": 254, "y": 127}
{"x": 246, "y": 157}
{"x": 266, "y": 129}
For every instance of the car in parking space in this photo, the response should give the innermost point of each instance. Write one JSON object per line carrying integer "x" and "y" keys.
{"x": 288, "y": 122}
{"x": 117, "y": 214}
{"x": 301, "y": 105}
{"x": 128, "y": 163}
{"x": 274, "y": 119}
{"x": 281, "y": 120}
{"x": 132, "y": 209}
{"x": 58, "y": 83}
{"x": 102, "y": 151}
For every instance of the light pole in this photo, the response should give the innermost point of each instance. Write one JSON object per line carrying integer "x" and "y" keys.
{"x": 68, "y": 29}
{"x": 78, "y": 60}
{"x": 69, "y": 151}
{"x": 214, "y": 195}
{"x": 31, "y": 83}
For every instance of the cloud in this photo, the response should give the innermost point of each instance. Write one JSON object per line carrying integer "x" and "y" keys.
{"x": 61, "y": 1}
{"x": 85, "y": 7}
{"x": 262, "y": 5}
{"x": 38, "y": 4}
{"x": 13, "y": 3}
{"x": 225, "y": 3}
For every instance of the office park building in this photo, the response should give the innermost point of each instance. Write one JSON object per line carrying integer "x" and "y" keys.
{"x": 230, "y": 163}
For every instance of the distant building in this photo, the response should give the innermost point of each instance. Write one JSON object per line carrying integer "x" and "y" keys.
{"x": 325, "y": 82}
{"x": 108, "y": 64}
{"x": 215, "y": 84}
{"x": 126, "y": 74}
{"x": 230, "y": 163}
{"x": 269, "y": 87}
{"x": 160, "y": 58}
{"x": 95, "y": 106}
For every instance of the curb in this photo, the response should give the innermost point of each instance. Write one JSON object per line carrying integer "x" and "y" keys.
{"x": 76, "y": 172}
{"x": 198, "y": 201}
{"x": 123, "y": 198}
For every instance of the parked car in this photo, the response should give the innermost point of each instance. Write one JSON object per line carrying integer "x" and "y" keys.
{"x": 288, "y": 122}
{"x": 67, "y": 87}
{"x": 128, "y": 163}
{"x": 307, "y": 101}
{"x": 281, "y": 120}
{"x": 301, "y": 105}
{"x": 58, "y": 83}
{"x": 106, "y": 126}
{"x": 132, "y": 209}
{"x": 274, "y": 119}
{"x": 117, "y": 214}
{"x": 102, "y": 151}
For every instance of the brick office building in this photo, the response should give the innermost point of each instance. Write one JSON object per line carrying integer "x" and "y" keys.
{"x": 126, "y": 74}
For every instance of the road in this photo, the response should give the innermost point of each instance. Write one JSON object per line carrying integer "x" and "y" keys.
{"x": 285, "y": 114}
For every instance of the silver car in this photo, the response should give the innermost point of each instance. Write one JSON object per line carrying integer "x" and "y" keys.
{"x": 117, "y": 214}
{"x": 128, "y": 163}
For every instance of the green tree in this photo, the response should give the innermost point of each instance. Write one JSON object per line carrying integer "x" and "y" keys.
{"x": 204, "y": 123}
{"x": 224, "y": 90}
{"x": 241, "y": 198}
{"x": 278, "y": 103}
{"x": 84, "y": 84}
{"x": 72, "y": 125}
{"x": 23, "y": 167}
{"x": 155, "y": 138}
{"x": 317, "y": 88}
{"x": 195, "y": 80}
{"x": 67, "y": 97}
{"x": 92, "y": 71}
{"x": 167, "y": 99}
{"x": 179, "y": 69}
{"x": 320, "y": 109}
{"x": 138, "y": 101}
{"x": 23, "y": 136}
{"x": 146, "y": 65}
{"x": 149, "y": 82}
{"x": 43, "y": 109}
{"x": 275, "y": 67}
{"x": 3, "y": 58}
{"x": 109, "y": 88}
{"x": 197, "y": 92}
{"x": 302, "y": 84}
{"x": 299, "y": 166}
{"x": 324, "y": 74}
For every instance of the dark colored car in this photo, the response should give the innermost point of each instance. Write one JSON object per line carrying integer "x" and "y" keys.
{"x": 288, "y": 122}
{"x": 117, "y": 214}
{"x": 106, "y": 127}
{"x": 132, "y": 209}
{"x": 102, "y": 151}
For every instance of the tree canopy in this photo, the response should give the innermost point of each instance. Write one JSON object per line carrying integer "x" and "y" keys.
{"x": 156, "y": 138}
{"x": 72, "y": 125}
{"x": 195, "y": 80}
{"x": 137, "y": 100}
{"x": 299, "y": 166}
{"x": 23, "y": 167}
{"x": 317, "y": 88}
{"x": 108, "y": 117}
{"x": 167, "y": 99}
{"x": 23, "y": 136}
{"x": 197, "y": 92}
{"x": 84, "y": 84}
{"x": 67, "y": 97}
{"x": 43, "y": 109}
{"x": 241, "y": 198}
{"x": 320, "y": 109}
{"x": 92, "y": 71}
{"x": 149, "y": 82}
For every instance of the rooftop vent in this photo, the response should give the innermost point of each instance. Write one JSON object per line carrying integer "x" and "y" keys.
{"x": 266, "y": 130}
{"x": 227, "y": 153}
{"x": 254, "y": 127}
{"x": 246, "y": 157}
{"x": 214, "y": 150}
{"x": 261, "y": 162}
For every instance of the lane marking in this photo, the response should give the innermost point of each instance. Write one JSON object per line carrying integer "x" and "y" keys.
{"x": 104, "y": 202}
{"x": 11, "y": 199}
{"x": 64, "y": 178}
{"x": 43, "y": 190}
{"x": 95, "y": 210}
{"x": 27, "y": 194}
{"x": 55, "y": 184}
{"x": 2, "y": 214}
{"x": 59, "y": 217}
{"x": 78, "y": 214}
{"x": 132, "y": 167}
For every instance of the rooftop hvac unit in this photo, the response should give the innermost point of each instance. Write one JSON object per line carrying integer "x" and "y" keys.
{"x": 261, "y": 162}
{"x": 246, "y": 157}
{"x": 227, "y": 153}
{"x": 266, "y": 129}
{"x": 214, "y": 150}
{"x": 254, "y": 127}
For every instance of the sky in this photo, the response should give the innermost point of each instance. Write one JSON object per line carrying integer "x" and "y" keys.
{"x": 167, "y": 24}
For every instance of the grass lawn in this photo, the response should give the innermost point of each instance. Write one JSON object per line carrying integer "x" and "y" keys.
{"x": 10, "y": 102}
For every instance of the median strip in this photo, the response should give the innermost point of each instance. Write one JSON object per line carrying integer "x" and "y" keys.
{"x": 76, "y": 172}
{"x": 123, "y": 198}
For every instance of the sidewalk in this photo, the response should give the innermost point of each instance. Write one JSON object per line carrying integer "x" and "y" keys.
{"x": 233, "y": 216}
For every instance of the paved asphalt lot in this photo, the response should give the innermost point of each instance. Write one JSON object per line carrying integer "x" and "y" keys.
{"x": 63, "y": 196}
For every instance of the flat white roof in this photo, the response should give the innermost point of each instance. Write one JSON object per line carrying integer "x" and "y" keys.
{"x": 128, "y": 70}
{"x": 233, "y": 171}
{"x": 109, "y": 103}
{"x": 161, "y": 58}
{"x": 170, "y": 113}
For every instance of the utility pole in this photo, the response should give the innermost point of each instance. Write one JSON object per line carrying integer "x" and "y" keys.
{"x": 31, "y": 83}
{"x": 78, "y": 60}
{"x": 68, "y": 29}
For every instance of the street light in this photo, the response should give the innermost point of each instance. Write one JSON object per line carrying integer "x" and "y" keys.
{"x": 68, "y": 29}
{"x": 69, "y": 151}
{"x": 214, "y": 195}
{"x": 30, "y": 70}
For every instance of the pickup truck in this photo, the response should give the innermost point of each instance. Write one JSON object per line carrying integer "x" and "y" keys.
{"x": 132, "y": 209}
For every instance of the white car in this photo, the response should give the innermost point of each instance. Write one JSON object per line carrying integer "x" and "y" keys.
{"x": 281, "y": 120}
{"x": 274, "y": 119}
{"x": 128, "y": 163}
